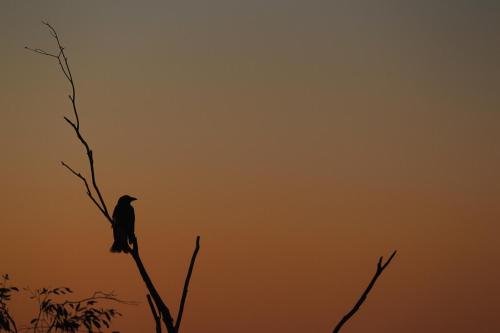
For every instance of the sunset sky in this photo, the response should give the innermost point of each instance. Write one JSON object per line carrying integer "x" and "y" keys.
{"x": 300, "y": 139}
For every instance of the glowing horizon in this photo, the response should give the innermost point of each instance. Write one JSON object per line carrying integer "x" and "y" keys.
{"x": 302, "y": 141}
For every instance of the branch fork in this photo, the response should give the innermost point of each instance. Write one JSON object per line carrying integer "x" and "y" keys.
{"x": 94, "y": 193}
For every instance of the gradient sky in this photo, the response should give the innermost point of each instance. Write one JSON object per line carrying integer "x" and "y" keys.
{"x": 300, "y": 139}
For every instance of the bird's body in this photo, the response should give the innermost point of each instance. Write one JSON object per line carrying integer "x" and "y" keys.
{"x": 123, "y": 225}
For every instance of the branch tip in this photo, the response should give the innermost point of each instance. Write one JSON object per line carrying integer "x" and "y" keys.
{"x": 362, "y": 298}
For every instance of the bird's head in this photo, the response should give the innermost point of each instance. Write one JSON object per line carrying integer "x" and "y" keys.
{"x": 126, "y": 199}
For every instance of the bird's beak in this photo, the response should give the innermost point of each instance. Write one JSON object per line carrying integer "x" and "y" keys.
{"x": 133, "y": 199}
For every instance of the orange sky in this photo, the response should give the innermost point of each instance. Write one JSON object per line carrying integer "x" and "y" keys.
{"x": 300, "y": 139}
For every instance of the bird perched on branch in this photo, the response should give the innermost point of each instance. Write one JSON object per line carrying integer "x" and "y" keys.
{"x": 123, "y": 225}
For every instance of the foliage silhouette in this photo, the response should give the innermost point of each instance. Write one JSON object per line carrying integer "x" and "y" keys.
{"x": 56, "y": 315}
{"x": 7, "y": 324}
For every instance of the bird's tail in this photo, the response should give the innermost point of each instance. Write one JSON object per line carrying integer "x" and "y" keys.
{"x": 116, "y": 247}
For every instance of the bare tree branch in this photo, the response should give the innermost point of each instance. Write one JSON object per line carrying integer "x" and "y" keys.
{"x": 156, "y": 317}
{"x": 186, "y": 285}
{"x": 164, "y": 312}
{"x": 65, "y": 68}
{"x": 40, "y": 51}
{"x": 378, "y": 272}
{"x": 160, "y": 304}
{"x": 84, "y": 180}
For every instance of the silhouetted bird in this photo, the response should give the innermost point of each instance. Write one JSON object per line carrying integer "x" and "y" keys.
{"x": 123, "y": 225}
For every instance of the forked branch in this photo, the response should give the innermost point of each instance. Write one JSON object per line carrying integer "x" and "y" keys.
{"x": 160, "y": 304}
{"x": 153, "y": 296}
{"x": 84, "y": 180}
{"x": 380, "y": 268}
{"x": 62, "y": 60}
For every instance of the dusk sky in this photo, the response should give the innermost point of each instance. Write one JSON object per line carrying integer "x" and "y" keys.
{"x": 300, "y": 139}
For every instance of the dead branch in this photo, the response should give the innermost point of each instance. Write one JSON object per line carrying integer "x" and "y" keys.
{"x": 164, "y": 312}
{"x": 186, "y": 285}
{"x": 84, "y": 180}
{"x": 62, "y": 60}
{"x": 160, "y": 304}
{"x": 378, "y": 272}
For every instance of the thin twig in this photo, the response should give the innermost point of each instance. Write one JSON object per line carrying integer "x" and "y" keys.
{"x": 84, "y": 180}
{"x": 63, "y": 62}
{"x": 380, "y": 269}
{"x": 186, "y": 285}
{"x": 102, "y": 296}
